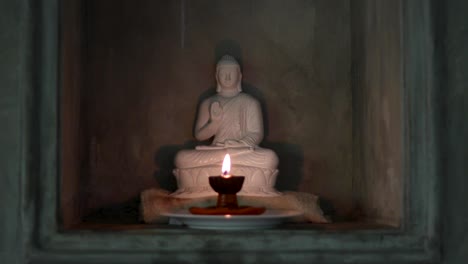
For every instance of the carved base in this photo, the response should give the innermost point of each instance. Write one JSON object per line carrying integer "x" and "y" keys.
{"x": 193, "y": 183}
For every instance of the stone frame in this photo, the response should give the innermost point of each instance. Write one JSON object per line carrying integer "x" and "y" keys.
{"x": 418, "y": 239}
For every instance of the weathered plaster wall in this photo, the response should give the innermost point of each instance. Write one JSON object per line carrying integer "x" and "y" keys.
{"x": 146, "y": 70}
{"x": 15, "y": 55}
{"x": 453, "y": 26}
{"x": 377, "y": 82}
{"x": 72, "y": 194}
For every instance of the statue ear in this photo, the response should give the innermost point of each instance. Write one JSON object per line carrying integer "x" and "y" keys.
{"x": 239, "y": 86}
{"x": 216, "y": 75}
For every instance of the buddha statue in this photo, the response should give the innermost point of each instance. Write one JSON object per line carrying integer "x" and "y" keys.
{"x": 234, "y": 120}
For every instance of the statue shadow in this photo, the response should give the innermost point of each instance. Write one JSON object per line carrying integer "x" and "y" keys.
{"x": 291, "y": 160}
{"x": 164, "y": 160}
{"x": 291, "y": 156}
{"x": 230, "y": 47}
{"x": 164, "y": 157}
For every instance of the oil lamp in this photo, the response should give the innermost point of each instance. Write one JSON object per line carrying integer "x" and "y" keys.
{"x": 226, "y": 186}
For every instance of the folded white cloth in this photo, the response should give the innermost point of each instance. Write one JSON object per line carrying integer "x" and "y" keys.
{"x": 155, "y": 202}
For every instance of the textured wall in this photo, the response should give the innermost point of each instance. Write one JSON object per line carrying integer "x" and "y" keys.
{"x": 72, "y": 185}
{"x": 377, "y": 83}
{"x": 15, "y": 55}
{"x": 453, "y": 26}
{"x": 148, "y": 63}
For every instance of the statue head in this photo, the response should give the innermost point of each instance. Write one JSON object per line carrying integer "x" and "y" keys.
{"x": 228, "y": 74}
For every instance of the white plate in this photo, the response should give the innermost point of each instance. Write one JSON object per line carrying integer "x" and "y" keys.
{"x": 269, "y": 219}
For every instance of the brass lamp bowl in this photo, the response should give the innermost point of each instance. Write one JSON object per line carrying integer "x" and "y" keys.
{"x": 226, "y": 189}
{"x": 227, "y": 198}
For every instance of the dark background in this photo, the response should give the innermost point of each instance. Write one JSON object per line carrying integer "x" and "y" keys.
{"x": 327, "y": 73}
{"x": 451, "y": 42}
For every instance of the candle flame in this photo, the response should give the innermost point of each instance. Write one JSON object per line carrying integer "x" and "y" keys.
{"x": 226, "y": 166}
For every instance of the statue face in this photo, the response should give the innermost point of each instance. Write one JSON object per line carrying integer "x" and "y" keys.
{"x": 229, "y": 76}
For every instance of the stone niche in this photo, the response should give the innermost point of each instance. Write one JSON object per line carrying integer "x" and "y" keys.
{"x": 328, "y": 75}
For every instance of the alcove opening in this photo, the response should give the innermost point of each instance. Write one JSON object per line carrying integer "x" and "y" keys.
{"x": 328, "y": 75}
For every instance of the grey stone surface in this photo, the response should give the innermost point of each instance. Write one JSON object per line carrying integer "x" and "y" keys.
{"x": 14, "y": 76}
{"x": 454, "y": 127}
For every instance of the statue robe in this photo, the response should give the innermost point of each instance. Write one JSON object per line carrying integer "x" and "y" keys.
{"x": 242, "y": 121}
